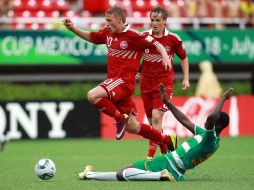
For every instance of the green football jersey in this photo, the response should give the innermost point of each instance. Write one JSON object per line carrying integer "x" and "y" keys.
{"x": 191, "y": 153}
{"x": 195, "y": 150}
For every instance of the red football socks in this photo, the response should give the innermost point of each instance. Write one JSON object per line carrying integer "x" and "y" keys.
{"x": 164, "y": 148}
{"x": 107, "y": 107}
{"x": 149, "y": 132}
{"x": 152, "y": 148}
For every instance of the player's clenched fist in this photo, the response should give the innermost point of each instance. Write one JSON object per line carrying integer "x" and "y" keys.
{"x": 68, "y": 23}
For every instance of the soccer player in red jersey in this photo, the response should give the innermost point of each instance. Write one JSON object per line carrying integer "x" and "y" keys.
{"x": 125, "y": 49}
{"x": 153, "y": 73}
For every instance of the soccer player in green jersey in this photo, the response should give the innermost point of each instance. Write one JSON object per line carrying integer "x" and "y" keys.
{"x": 173, "y": 165}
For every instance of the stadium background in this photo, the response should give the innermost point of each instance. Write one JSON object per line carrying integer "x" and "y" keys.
{"x": 45, "y": 70}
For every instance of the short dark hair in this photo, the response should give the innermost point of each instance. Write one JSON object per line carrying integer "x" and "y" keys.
{"x": 223, "y": 119}
{"x": 117, "y": 11}
{"x": 160, "y": 10}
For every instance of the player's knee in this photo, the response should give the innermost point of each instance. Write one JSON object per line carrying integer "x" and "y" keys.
{"x": 91, "y": 97}
{"x": 119, "y": 176}
{"x": 156, "y": 120}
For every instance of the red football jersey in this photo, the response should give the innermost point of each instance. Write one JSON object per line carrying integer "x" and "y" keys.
{"x": 125, "y": 50}
{"x": 152, "y": 64}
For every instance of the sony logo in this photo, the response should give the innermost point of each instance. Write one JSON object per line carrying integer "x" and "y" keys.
{"x": 26, "y": 117}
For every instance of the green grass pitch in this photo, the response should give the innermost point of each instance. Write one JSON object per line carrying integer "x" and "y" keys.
{"x": 231, "y": 168}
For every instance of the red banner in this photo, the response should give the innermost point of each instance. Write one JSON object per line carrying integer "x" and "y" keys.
{"x": 239, "y": 108}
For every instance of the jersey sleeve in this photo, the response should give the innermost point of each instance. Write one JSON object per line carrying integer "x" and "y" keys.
{"x": 145, "y": 41}
{"x": 99, "y": 37}
{"x": 179, "y": 49}
{"x": 199, "y": 130}
{"x": 208, "y": 135}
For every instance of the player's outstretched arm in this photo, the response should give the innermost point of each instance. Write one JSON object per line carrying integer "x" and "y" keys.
{"x": 81, "y": 33}
{"x": 214, "y": 115}
{"x": 176, "y": 112}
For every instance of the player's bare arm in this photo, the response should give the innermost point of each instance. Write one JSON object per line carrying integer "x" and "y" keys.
{"x": 81, "y": 33}
{"x": 185, "y": 68}
{"x": 166, "y": 61}
{"x": 176, "y": 112}
{"x": 214, "y": 115}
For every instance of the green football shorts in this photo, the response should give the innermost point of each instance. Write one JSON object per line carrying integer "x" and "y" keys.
{"x": 156, "y": 165}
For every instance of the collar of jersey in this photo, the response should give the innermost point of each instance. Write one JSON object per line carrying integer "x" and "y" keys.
{"x": 165, "y": 32}
{"x": 127, "y": 27}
